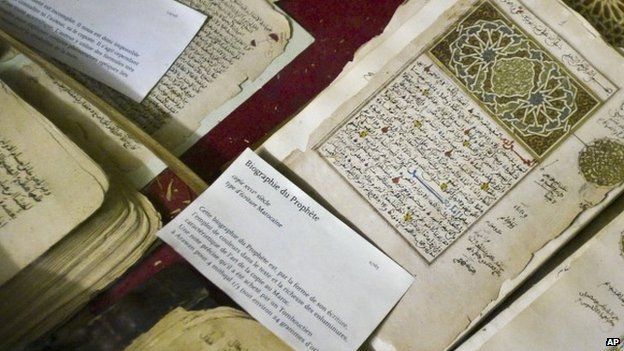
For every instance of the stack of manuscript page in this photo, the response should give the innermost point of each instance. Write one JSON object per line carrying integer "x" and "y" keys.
{"x": 85, "y": 124}
{"x": 469, "y": 142}
{"x": 49, "y": 186}
{"x": 64, "y": 235}
{"x": 64, "y": 279}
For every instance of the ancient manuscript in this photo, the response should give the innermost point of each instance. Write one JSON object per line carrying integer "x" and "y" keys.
{"x": 480, "y": 148}
{"x": 47, "y": 185}
{"x": 440, "y": 166}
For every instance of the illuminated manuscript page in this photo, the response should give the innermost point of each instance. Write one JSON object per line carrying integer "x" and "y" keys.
{"x": 470, "y": 157}
{"x": 48, "y": 185}
{"x": 577, "y": 306}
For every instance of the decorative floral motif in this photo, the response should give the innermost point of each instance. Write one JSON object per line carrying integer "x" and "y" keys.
{"x": 602, "y": 162}
{"x": 477, "y": 50}
{"x": 521, "y": 68}
{"x": 514, "y": 78}
{"x": 606, "y": 15}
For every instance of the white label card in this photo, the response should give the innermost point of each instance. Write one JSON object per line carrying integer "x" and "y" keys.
{"x": 286, "y": 260}
{"x": 127, "y": 45}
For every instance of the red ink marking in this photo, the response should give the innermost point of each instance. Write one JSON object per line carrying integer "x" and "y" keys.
{"x": 509, "y": 145}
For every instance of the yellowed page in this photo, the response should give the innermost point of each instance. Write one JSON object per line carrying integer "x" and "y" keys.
{"x": 356, "y": 75}
{"x": 85, "y": 124}
{"x": 576, "y": 307}
{"x": 49, "y": 186}
{"x": 61, "y": 281}
{"x": 221, "y": 328}
{"x": 469, "y": 173}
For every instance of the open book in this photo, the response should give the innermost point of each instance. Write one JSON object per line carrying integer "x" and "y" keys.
{"x": 49, "y": 185}
{"x": 490, "y": 132}
{"x": 66, "y": 233}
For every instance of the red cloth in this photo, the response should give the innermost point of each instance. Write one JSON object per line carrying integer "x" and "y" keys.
{"x": 339, "y": 27}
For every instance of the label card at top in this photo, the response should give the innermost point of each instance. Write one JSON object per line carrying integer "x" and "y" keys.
{"x": 127, "y": 45}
